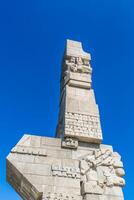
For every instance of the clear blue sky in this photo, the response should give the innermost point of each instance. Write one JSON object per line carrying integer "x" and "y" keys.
{"x": 32, "y": 39}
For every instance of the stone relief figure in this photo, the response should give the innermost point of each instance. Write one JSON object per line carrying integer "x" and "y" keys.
{"x": 88, "y": 170}
{"x": 83, "y": 66}
{"x": 71, "y": 64}
{"x": 99, "y": 169}
{"x": 77, "y": 65}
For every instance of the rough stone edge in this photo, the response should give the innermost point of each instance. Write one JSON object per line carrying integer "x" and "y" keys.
{"x": 33, "y": 192}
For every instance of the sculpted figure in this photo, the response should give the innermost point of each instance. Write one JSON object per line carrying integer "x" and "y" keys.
{"x": 71, "y": 65}
{"x": 98, "y": 169}
{"x": 87, "y": 167}
{"x": 77, "y": 65}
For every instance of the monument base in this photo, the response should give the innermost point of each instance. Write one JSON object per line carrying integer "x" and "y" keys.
{"x": 42, "y": 168}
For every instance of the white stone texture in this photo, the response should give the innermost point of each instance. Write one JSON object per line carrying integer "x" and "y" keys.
{"x": 70, "y": 143}
{"x": 79, "y": 113}
{"x": 89, "y": 169}
{"x": 74, "y": 48}
{"x": 74, "y": 166}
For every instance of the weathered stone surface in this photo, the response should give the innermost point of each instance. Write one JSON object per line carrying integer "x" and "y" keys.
{"x": 70, "y": 143}
{"x": 21, "y": 184}
{"x": 92, "y": 171}
{"x": 52, "y": 196}
{"x": 101, "y": 197}
{"x": 79, "y": 114}
{"x": 74, "y": 166}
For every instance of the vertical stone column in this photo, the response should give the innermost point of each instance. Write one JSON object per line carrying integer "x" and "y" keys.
{"x": 79, "y": 114}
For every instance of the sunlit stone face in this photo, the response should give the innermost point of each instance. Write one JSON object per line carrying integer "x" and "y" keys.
{"x": 79, "y": 113}
{"x": 75, "y": 165}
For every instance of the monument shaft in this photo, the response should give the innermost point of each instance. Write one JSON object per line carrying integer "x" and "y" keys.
{"x": 79, "y": 114}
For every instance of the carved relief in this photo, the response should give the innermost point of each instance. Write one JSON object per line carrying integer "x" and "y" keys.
{"x": 28, "y": 150}
{"x": 77, "y": 65}
{"x": 70, "y": 143}
{"x": 80, "y": 124}
{"x": 98, "y": 171}
{"x": 69, "y": 172}
{"x": 61, "y": 196}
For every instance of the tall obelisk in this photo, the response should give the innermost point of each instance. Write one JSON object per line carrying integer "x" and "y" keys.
{"x": 79, "y": 115}
{"x": 75, "y": 165}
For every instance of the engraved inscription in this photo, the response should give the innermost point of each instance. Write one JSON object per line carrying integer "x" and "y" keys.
{"x": 80, "y": 124}
{"x": 62, "y": 171}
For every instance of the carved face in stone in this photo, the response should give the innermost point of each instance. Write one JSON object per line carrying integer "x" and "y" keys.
{"x": 72, "y": 59}
{"x": 79, "y": 61}
{"x": 90, "y": 160}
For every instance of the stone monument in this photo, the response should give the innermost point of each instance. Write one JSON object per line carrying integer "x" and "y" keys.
{"x": 74, "y": 165}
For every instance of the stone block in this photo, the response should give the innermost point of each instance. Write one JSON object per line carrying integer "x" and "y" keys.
{"x": 53, "y": 181}
{"x": 59, "y": 153}
{"x": 48, "y": 141}
{"x": 21, "y": 184}
{"x": 29, "y": 150}
{"x": 104, "y": 197}
{"x": 74, "y": 48}
{"x": 21, "y": 157}
{"x": 91, "y": 187}
{"x": 25, "y": 141}
{"x": 91, "y": 197}
{"x": 113, "y": 191}
{"x": 37, "y": 169}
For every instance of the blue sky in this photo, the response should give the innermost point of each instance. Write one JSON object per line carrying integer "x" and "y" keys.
{"x": 32, "y": 40}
